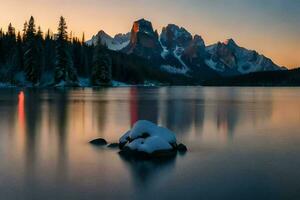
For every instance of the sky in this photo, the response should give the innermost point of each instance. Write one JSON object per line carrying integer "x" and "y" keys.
{"x": 271, "y": 27}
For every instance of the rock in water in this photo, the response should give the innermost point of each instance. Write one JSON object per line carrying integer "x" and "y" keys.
{"x": 182, "y": 148}
{"x": 146, "y": 139}
{"x": 113, "y": 145}
{"x": 99, "y": 142}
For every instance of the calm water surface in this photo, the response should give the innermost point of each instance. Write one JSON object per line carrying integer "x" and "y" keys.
{"x": 244, "y": 143}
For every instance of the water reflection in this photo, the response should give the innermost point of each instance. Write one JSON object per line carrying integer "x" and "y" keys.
{"x": 32, "y": 114}
{"x": 21, "y": 109}
{"x": 44, "y": 136}
{"x": 227, "y": 112}
{"x": 143, "y": 105}
{"x": 85, "y": 114}
{"x": 184, "y": 110}
{"x": 61, "y": 116}
{"x": 147, "y": 172}
{"x": 29, "y": 104}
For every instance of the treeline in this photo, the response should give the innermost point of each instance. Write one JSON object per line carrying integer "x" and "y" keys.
{"x": 36, "y": 58}
{"x": 269, "y": 78}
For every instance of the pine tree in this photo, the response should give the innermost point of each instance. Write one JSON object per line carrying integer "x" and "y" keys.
{"x": 19, "y": 53}
{"x": 25, "y": 30}
{"x": 32, "y": 62}
{"x": 1, "y": 47}
{"x": 9, "y": 47}
{"x": 83, "y": 39}
{"x": 40, "y": 48}
{"x": 10, "y": 43}
{"x": 64, "y": 70}
{"x": 101, "y": 71}
{"x": 11, "y": 31}
{"x": 76, "y": 55}
{"x": 85, "y": 67}
{"x": 49, "y": 49}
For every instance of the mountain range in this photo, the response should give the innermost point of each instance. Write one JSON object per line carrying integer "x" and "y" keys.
{"x": 176, "y": 51}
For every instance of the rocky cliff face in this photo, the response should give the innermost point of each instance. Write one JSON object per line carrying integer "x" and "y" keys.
{"x": 178, "y": 51}
{"x": 184, "y": 51}
{"x": 172, "y": 36}
{"x": 228, "y": 57}
{"x": 122, "y": 38}
{"x": 195, "y": 52}
{"x": 144, "y": 41}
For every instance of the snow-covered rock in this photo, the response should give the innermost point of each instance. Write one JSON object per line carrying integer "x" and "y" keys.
{"x": 149, "y": 139}
{"x": 149, "y": 145}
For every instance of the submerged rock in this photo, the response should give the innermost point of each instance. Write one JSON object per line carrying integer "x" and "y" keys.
{"x": 147, "y": 140}
{"x": 113, "y": 145}
{"x": 182, "y": 148}
{"x": 99, "y": 142}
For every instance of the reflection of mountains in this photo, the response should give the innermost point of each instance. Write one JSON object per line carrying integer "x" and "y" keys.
{"x": 233, "y": 109}
{"x": 182, "y": 109}
{"x": 99, "y": 110}
{"x": 143, "y": 105}
{"x": 178, "y": 114}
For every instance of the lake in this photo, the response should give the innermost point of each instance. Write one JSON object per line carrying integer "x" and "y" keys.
{"x": 244, "y": 143}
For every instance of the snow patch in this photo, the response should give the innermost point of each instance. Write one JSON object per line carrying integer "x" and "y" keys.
{"x": 147, "y": 137}
{"x": 165, "y": 51}
{"x": 6, "y": 85}
{"x": 61, "y": 84}
{"x": 173, "y": 70}
{"x": 213, "y": 65}
{"x": 84, "y": 82}
{"x": 178, "y": 53}
{"x": 149, "y": 145}
{"x": 116, "y": 43}
{"x": 119, "y": 84}
{"x": 117, "y": 46}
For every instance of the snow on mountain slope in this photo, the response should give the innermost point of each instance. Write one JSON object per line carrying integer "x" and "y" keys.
{"x": 165, "y": 51}
{"x": 173, "y": 70}
{"x": 177, "y": 48}
{"x": 115, "y": 43}
{"x": 178, "y": 53}
{"x": 228, "y": 56}
{"x": 173, "y": 36}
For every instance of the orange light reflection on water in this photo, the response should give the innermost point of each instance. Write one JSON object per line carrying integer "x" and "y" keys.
{"x": 21, "y": 111}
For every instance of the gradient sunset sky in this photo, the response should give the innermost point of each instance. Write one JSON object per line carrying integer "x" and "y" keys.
{"x": 272, "y": 27}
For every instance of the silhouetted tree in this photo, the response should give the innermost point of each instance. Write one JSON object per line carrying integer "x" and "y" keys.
{"x": 64, "y": 71}
{"x": 32, "y": 62}
{"x": 19, "y": 53}
{"x": 101, "y": 72}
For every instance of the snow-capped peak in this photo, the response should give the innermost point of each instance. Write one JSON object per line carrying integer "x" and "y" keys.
{"x": 233, "y": 59}
{"x": 116, "y": 43}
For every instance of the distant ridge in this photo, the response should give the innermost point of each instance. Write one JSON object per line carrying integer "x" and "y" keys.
{"x": 176, "y": 50}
